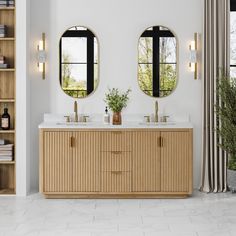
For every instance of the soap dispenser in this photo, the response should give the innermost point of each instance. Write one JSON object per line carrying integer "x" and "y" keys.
{"x": 106, "y": 117}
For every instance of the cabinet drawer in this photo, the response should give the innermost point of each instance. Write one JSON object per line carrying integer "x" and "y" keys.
{"x": 116, "y": 181}
{"x": 116, "y": 161}
{"x": 116, "y": 141}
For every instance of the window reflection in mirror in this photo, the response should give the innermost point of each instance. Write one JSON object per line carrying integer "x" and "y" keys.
{"x": 157, "y": 61}
{"x": 78, "y": 62}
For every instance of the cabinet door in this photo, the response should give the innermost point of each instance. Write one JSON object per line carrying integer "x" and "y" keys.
{"x": 146, "y": 161}
{"x": 57, "y": 162}
{"x": 86, "y": 161}
{"x": 176, "y": 162}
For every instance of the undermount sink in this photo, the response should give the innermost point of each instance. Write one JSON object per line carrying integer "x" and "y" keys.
{"x": 157, "y": 123}
{"x": 72, "y": 123}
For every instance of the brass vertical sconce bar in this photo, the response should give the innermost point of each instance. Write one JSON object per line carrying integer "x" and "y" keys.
{"x": 42, "y": 56}
{"x": 193, "y": 64}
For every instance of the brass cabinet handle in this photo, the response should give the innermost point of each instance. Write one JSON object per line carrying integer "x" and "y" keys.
{"x": 71, "y": 141}
{"x": 161, "y": 141}
{"x": 116, "y": 172}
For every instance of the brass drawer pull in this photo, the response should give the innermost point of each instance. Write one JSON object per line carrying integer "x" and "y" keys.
{"x": 116, "y": 172}
{"x": 116, "y": 152}
{"x": 71, "y": 141}
{"x": 116, "y": 132}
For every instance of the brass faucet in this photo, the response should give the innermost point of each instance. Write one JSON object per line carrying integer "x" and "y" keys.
{"x": 76, "y": 111}
{"x": 156, "y": 112}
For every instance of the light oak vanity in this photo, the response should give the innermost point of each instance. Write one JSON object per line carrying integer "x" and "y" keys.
{"x": 110, "y": 162}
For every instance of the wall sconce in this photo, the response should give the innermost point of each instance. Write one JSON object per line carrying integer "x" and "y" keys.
{"x": 41, "y": 57}
{"x": 193, "y": 60}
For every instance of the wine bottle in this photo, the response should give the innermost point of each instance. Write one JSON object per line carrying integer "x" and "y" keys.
{"x": 5, "y": 119}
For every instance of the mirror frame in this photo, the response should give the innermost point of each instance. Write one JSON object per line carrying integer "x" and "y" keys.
{"x": 177, "y": 61}
{"x": 98, "y": 63}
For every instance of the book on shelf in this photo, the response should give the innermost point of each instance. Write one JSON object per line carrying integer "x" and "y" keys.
{"x": 3, "y": 30}
{"x": 2, "y": 60}
{"x": 6, "y": 147}
{"x": 6, "y": 152}
{"x": 6, "y": 158}
{"x": 7, "y": 3}
{"x": 2, "y": 141}
{"x": 3, "y": 66}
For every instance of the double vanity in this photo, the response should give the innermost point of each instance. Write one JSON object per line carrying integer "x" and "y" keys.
{"x": 132, "y": 160}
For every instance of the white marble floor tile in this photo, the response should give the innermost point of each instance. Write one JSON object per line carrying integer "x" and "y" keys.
{"x": 170, "y": 234}
{"x": 200, "y": 215}
{"x": 119, "y": 234}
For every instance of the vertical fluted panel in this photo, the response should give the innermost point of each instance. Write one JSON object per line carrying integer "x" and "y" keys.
{"x": 57, "y": 167}
{"x": 116, "y": 161}
{"x": 86, "y": 161}
{"x": 146, "y": 161}
{"x": 116, "y": 181}
{"x": 116, "y": 141}
{"x": 176, "y": 161}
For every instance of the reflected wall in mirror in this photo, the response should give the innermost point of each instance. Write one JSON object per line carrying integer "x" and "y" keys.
{"x": 157, "y": 61}
{"x": 79, "y": 72}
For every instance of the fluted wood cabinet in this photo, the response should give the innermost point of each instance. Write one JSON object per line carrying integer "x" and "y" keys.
{"x": 127, "y": 163}
{"x": 147, "y": 161}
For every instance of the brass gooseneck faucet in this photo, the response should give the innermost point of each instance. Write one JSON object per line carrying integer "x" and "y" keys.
{"x": 156, "y": 112}
{"x": 76, "y": 111}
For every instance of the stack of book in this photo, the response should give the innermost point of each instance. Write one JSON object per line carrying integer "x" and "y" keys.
{"x": 6, "y": 152}
{"x": 3, "y": 30}
{"x": 2, "y": 62}
{"x": 7, "y": 3}
{"x": 2, "y": 141}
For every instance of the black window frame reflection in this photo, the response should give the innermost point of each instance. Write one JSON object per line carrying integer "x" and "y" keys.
{"x": 157, "y": 32}
{"x": 81, "y": 33}
{"x": 232, "y": 8}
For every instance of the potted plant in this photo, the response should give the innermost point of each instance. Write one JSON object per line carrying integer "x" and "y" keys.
{"x": 226, "y": 114}
{"x": 116, "y": 101}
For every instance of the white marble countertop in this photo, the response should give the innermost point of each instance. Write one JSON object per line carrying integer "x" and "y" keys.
{"x": 125, "y": 125}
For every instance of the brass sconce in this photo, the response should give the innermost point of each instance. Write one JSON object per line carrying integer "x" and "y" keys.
{"x": 193, "y": 60}
{"x": 41, "y": 57}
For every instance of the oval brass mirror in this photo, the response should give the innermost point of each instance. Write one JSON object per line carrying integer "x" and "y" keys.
{"x": 79, "y": 62}
{"x": 157, "y": 61}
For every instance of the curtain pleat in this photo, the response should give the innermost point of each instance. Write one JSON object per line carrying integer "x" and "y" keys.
{"x": 216, "y": 56}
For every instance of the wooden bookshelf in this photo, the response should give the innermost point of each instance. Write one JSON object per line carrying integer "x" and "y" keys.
{"x": 7, "y": 131}
{"x": 7, "y": 191}
{"x": 7, "y": 162}
{"x": 7, "y": 70}
{"x": 7, "y": 8}
{"x": 7, "y": 96}
{"x": 7, "y": 39}
{"x": 6, "y": 100}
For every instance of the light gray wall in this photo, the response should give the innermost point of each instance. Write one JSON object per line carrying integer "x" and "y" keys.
{"x": 22, "y": 98}
{"x": 118, "y": 25}
{"x": 40, "y": 89}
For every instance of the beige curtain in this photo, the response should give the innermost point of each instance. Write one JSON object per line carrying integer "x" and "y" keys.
{"x": 216, "y": 56}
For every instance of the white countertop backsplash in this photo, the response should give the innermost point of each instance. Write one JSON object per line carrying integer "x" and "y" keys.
{"x": 95, "y": 121}
{"x": 48, "y": 117}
